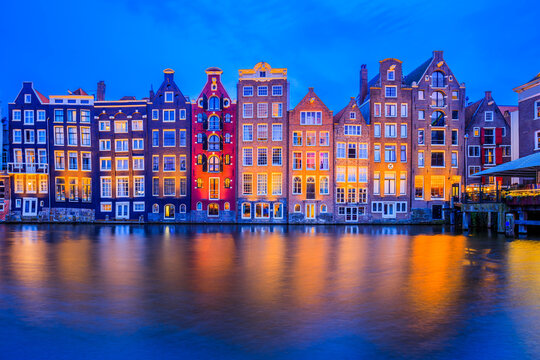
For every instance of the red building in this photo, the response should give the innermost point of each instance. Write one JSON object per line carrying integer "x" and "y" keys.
{"x": 213, "y": 153}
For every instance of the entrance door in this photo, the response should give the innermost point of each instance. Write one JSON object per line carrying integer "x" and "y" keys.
{"x": 455, "y": 192}
{"x": 389, "y": 210}
{"x": 29, "y": 207}
{"x": 310, "y": 211}
{"x": 352, "y": 214}
{"x": 122, "y": 210}
{"x": 169, "y": 212}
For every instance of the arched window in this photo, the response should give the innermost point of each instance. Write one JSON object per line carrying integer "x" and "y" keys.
{"x": 213, "y": 103}
{"x": 199, "y": 118}
{"x": 213, "y": 143}
{"x": 213, "y": 164}
{"x": 227, "y": 206}
{"x": 213, "y": 209}
{"x": 437, "y": 118}
{"x": 310, "y": 187}
{"x": 437, "y": 99}
{"x": 155, "y": 209}
{"x": 213, "y": 123}
{"x": 296, "y": 207}
{"x": 323, "y": 208}
{"x": 228, "y": 118}
{"x": 437, "y": 79}
{"x": 200, "y": 138}
{"x": 183, "y": 208}
{"x": 297, "y": 185}
{"x": 199, "y": 206}
{"x": 199, "y": 159}
{"x": 227, "y": 138}
{"x": 199, "y": 183}
{"x": 324, "y": 185}
{"x": 227, "y": 183}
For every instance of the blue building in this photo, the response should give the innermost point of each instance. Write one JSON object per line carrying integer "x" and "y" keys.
{"x": 169, "y": 152}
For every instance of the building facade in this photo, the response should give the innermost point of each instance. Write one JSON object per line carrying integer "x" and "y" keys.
{"x": 438, "y": 127}
{"x": 351, "y": 165}
{"x": 262, "y": 162}
{"x": 213, "y": 170}
{"x": 311, "y": 161}
{"x": 387, "y": 105}
{"x": 529, "y": 113}
{"x": 488, "y": 141}
{"x": 168, "y": 159}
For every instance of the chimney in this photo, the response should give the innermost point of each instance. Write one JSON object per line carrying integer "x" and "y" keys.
{"x": 363, "y": 83}
{"x": 152, "y": 94}
{"x": 437, "y": 54}
{"x": 100, "y": 96}
{"x": 488, "y": 95}
{"x": 169, "y": 75}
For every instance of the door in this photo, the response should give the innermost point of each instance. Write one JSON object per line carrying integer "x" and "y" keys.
{"x": 310, "y": 211}
{"x": 29, "y": 207}
{"x": 122, "y": 210}
{"x": 169, "y": 212}
{"x": 455, "y": 192}
{"x": 389, "y": 210}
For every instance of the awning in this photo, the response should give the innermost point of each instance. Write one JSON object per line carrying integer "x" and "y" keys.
{"x": 525, "y": 167}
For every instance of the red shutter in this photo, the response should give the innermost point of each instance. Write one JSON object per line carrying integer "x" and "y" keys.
{"x": 483, "y": 180}
{"x": 482, "y": 136}
{"x": 498, "y": 136}
{"x": 482, "y": 155}
{"x": 498, "y": 155}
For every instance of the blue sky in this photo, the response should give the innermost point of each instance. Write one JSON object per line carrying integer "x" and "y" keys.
{"x": 60, "y": 45}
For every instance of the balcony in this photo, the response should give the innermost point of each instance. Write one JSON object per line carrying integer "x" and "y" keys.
{"x": 27, "y": 168}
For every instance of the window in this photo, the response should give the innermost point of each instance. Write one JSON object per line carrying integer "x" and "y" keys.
{"x": 169, "y": 163}
{"x": 437, "y": 137}
{"x": 106, "y": 187}
{"x": 297, "y": 138}
{"x": 297, "y": 160}
{"x": 155, "y": 114}
{"x": 376, "y": 183}
{"x": 169, "y": 96}
{"x": 297, "y": 208}
{"x": 310, "y": 118}
{"x": 262, "y": 156}
{"x": 340, "y": 150}
{"x": 247, "y": 184}
{"x": 121, "y": 145}
{"x": 16, "y": 115}
{"x": 277, "y": 110}
{"x": 31, "y": 184}
{"x": 324, "y": 138}
{"x": 17, "y": 136}
{"x": 390, "y": 91}
{"x": 169, "y": 186}
{"x": 324, "y": 162}
{"x": 437, "y": 187}
{"x": 277, "y": 132}
{"x": 262, "y": 90}
{"x": 473, "y": 170}
{"x": 262, "y": 210}
{"x": 262, "y": 110}
{"x": 437, "y": 119}
{"x": 437, "y": 99}
{"x": 391, "y": 75}
{"x": 310, "y": 188}
{"x": 310, "y": 161}
{"x": 247, "y": 133}
{"x": 476, "y": 132}
{"x": 277, "y": 184}
{"x": 214, "y": 123}
{"x": 353, "y": 130}
{"x": 340, "y": 195}
{"x": 137, "y": 125}
{"x": 362, "y": 151}
{"x": 72, "y": 136}
{"x": 43, "y": 184}
{"x": 86, "y": 161}
{"x": 403, "y": 130}
{"x": 276, "y": 157}
{"x": 377, "y": 110}
{"x": 58, "y": 115}
{"x": 73, "y": 160}
{"x": 247, "y": 157}
{"x": 503, "y": 132}
{"x": 278, "y": 211}
{"x": 418, "y": 187}
{"x": 351, "y": 154}
{"x": 120, "y": 127}
{"x": 488, "y": 115}
{"x": 42, "y": 156}
{"x": 537, "y": 109}
{"x": 454, "y": 160}
{"x": 455, "y": 95}
{"x": 262, "y": 184}
{"x": 104, "y": 145}
{"x": 506, "y": 150}
{"x": 390, "y": 153}
{"x": 183, "y": 115}
{"x": 60, "y": 189}
{"x": 104, "y": 126}
{"x": 351, "y": 174}
{"x": 169, "y": 138}
{"x": 227, "y": 138}
{"x": 262, "y": 132}
{"x": 420, "y": 159}
{"x": 403, "y": 183}
{"x": 474, "y": 151}
{"x": 403, "y": 153}
{"x": 404, "y": 110}
{"x": 138, "y": 163}
{"x": 389, "y": 183}
{"x": 352, "y": 115}
{"x": 41, "y": 115}
{"x": 85, "y": 136}
{"x": 437, "y": 79}
{"x": 248, "y": 110}
{"x": 489, "y": 136}
{"x": 138, "y": 144}
{"x": 421, "y": 95}
{"x": 29, "y": 137}
{"x": 340, "y": 173}
{"x": 421, "y": 115}
{"x": 183, "y": 163}
{"x": 437, "y": 159}
{"x": 169, "y": 115}
{"x": 311, "y": 138}
{"x": 421, "y": 140}
{"x": 248, "y": 90}
{"x": 214, "y": 189}
{"x": 297, "y": 185}
{"x": 455, "y": 137}
{"x": 377, "y": 130}
{"x": 59, "y": 160}
{"x": 28, "y": 117}
{"x": 155, "y": 186}
{"x": 105, "y": 164}
{"x": 324, "y": 185}
{"x": 277, "y": 90}
{"x": 214, "y": 164}
{"x": 377, "y": 153}
{"x": 489, "y": 156}
{"x": 122, "y": 164}
{"x": 138, "y": 186}
{"x": 390, "y": 110}
{"x": 27, "y": 98}
{"x": 246, "y": 207}
{"x": 455, "y": 115}
{"x": 362, "y": 174}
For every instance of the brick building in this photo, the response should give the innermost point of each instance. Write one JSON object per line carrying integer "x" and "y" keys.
{"x": 263, "y": 102}
{"x": 351, "y": 164}
{"x": 438, "y": 128}
{"x": 386, "y": 104}
{"x": 529, "y": 114}
{"x": 213, "y": 175}
{"x": 487, "y": 137}
{"x": 311, "y": 161}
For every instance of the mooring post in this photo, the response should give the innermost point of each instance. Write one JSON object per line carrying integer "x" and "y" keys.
{"x": 466, "y": 220}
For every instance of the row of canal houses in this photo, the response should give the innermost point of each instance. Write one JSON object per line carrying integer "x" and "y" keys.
{"x": 395, "y": 152}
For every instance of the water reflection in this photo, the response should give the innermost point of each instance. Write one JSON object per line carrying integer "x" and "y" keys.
{"x": 263, "y": 291}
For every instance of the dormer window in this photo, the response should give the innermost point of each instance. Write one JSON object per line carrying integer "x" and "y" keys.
{"x": 169, "y": 96}
{"x": 262, "y": 73}
{"x": 27, "y": 98}
{"x": 391, "y": 75}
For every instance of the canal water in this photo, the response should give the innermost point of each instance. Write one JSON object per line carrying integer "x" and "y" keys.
{"x": 256, "y": 292}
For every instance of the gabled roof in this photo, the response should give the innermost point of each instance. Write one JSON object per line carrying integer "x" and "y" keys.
{"x": 416, "y": 74}
{"x": 42, "y": 98}
{"x": 470, "y": 111}
{"x": 311, "y": 96}
{"x": 351, "y": 105}
{"x": 79, "y": 91}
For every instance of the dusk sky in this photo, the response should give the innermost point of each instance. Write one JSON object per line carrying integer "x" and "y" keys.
{"x": 61, "y": 45}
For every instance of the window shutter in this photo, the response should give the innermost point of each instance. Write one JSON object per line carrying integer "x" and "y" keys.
{"x": 498, "y": 136}
{"x": 498, "y": 155}
{"x": 221, "y": 103}
{"x": 205, "y": 102}
{"x": 221, "y": 163}
{"x": 482, "y": 136}
{"x": 205, "y": 142}
{"x": 221, "y": 122}
{"x": 482, "y": 156}
{"x": 221, "y": 143}
{"x": 205, "y": 164}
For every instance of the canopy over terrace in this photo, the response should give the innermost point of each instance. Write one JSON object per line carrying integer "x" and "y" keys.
{"x": 525, "y": 167}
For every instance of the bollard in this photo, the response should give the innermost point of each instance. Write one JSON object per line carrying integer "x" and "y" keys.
{"x": 510, "y": 225}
